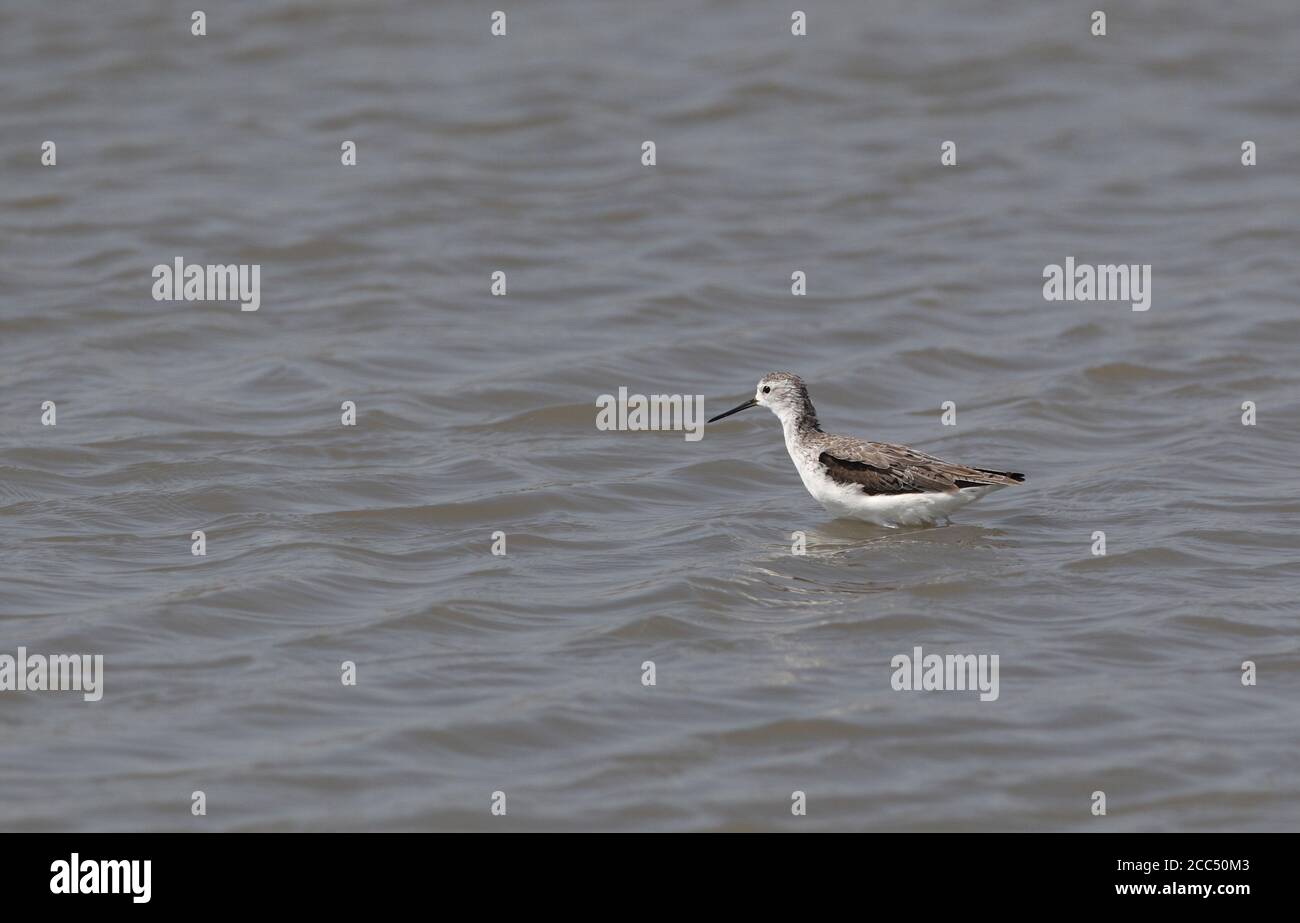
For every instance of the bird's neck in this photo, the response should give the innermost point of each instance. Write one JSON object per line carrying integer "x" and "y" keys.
{"x": 797, "y": 422}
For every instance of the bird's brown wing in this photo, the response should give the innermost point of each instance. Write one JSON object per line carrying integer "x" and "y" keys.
{"x": 882, "y": 468}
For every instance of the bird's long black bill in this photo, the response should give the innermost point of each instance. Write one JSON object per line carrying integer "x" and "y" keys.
{"x": 745, "y": 406}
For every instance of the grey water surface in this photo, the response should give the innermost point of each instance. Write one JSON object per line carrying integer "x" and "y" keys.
{"x": 522, "y": 673}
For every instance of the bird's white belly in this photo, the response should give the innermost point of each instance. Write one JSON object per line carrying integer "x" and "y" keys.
{"x": 850, "y": 502}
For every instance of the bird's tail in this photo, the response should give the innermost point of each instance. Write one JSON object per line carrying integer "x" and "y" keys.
{"x": 1002, "y": 477}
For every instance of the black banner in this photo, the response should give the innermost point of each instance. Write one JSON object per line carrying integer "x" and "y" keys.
{"x": 333, "y": 872}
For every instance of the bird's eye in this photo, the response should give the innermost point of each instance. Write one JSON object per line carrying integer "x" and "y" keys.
{"x": 767, "y": 390}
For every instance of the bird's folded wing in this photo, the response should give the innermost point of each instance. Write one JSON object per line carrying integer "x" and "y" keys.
{"x": 882, "y": 468}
